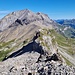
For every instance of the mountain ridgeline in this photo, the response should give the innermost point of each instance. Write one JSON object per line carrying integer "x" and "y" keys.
{"x": 33, "y": 44}
{"x": 23, "y": 17}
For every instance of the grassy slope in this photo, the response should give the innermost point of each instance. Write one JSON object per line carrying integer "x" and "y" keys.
{"x": 6, "y": 47}
{"x": 3, "y": 47}
{"x": 67, "y": 44}
{"x": 70, "y": 32}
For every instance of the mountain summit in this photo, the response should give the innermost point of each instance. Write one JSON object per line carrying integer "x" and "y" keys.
{"x": 24, "y": 17}
{"x": 21, "y": 23}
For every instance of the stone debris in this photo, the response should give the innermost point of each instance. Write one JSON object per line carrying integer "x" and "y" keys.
{"x": 27, "y": 64}
{"x": 33, "y": 60}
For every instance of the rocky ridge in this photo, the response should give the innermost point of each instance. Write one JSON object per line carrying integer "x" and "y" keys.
{"x": 35, "y": 59}
{"x": 23, "y": 17}
{"x": 29, "y": 45}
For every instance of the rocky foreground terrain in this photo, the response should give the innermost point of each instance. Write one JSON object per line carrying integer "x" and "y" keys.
{"x": 31, "y": 45}
{"x": 33, "y": 60}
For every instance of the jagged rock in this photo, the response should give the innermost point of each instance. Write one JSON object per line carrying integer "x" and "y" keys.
{"x": 37, "y": 35}
{"x": 53, "y": 57}
{"x": 19, "y": 21}
{"x": 23, "y": 17}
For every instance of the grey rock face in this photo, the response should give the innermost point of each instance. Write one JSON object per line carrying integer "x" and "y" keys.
{"x": 23, "y": 24}
{"x": 23, "y": 17}
{"x": 27, "y": 64}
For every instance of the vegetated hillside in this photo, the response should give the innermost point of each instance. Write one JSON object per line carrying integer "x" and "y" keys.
{"x": 66, "y": 31}
{"x": 29, "y": 44}
{"x": 66, "y": 27}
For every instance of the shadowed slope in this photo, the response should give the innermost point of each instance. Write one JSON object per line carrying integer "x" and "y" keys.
{"x": 33, "y": 46}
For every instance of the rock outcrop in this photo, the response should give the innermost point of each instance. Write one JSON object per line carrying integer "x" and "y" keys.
{"x": 26, "y": 64}
{"x": 23, "y": 17}
{"x": 32, "y": 59}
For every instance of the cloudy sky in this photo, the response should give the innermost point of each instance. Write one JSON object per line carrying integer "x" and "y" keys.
{"x": 56, "y": 9}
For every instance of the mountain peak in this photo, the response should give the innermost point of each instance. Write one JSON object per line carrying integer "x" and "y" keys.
{"x": 24, "y": 17}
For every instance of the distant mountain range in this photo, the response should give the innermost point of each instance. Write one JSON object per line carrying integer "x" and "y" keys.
{"x": 66, "y": 27}
{"x": 67, "y": 22}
